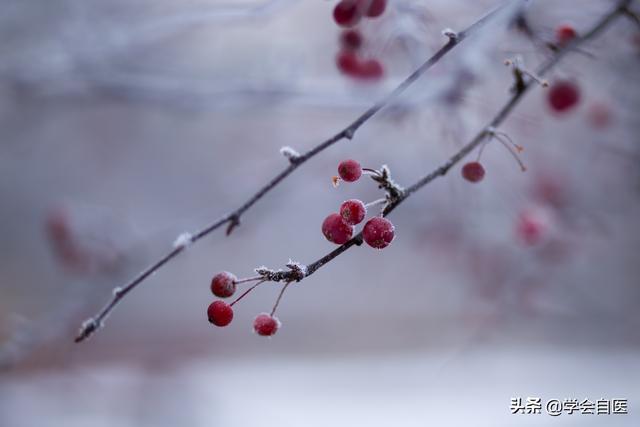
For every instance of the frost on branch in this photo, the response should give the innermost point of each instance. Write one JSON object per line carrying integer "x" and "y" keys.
{"x": 448, "y": 32}
{"x": 383, "y": 178}
{"x": 296, "y": 272}
{"x": 183, "y": 240}
{"x": 292, "y": 155}
{"x": 87, "y": 328}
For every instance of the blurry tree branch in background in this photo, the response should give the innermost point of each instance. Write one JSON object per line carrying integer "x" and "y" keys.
{"x": 395, "y": 195}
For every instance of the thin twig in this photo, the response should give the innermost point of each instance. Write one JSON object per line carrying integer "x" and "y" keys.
{"x": 282, "y": 291}
{"x": 232, "y": 219}
{"x": 247, "y": 292}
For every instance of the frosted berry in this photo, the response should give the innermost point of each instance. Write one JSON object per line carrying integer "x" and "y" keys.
{"x": 336, "y": 230}
{"x": 353, "y": 211}
{"x": 563, "y": 95}
{"x": 376, "y": 8}
{"x": 370, "y": 69}
{"x": 220, "y": 313}
{"x": 347, "y": 13}
{"x": 223, "y": 284}
{"x": 351, "y": 39}
{"x": 378, "y": 232}
{"x": 348, "y": 63}
{"x": 349, "y": 170}
{"x": 266, "y": 325}
{"x": 473, "y": 172}
{"x": 565, "y": 33}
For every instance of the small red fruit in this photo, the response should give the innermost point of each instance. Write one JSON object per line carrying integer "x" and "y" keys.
{"x": 266, "y": 325}
{"x": 336, "y": 230}
{"x": 351, "y": 39}
{"x": 349, "y": 170}
{"x": 348, "y": 63}
{"x": 347, "y": 13}
{"x": 563, "y": 95}
{"x": 532, "y": 226}
{"x": 378, "y": 232}
{"x": 473, "y": 172}
{"x": 220, "y": 313}
{"x": 376, "y": 7}
{"x": 223, "y": 284}
{"x": 565, "y": 33}
{"x": 353, "y": 211}
{"x": 370, "y": 69}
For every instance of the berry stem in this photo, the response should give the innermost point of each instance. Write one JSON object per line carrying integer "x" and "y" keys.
{"x": 248, "y": 279}
{"x": 371, "y": 171}
{"x": 376, "y": 202}
{"x": 506, "y": 145}
{"x": 245, "y": 293}
{"x": 275, "y": 306}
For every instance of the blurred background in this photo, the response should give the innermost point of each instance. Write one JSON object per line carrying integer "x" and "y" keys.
{"x": 124, "y": 124}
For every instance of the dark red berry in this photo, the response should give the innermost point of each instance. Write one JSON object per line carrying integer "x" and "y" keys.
{"x": 348, "y": 63}
{"x": 220, "y": 313}
{"x": 378, "y": 232}
{"x": 370, "y": 69}
{"x": 223, "y": 284}
{"x": 376, "y": 7}
{"x": 565, "y": 33}
{"x": 349, "y": 170}
{"x": 563, "y": 95}
{"x": 266, "y": 325}
{"x": 351, "y": 39}
{"x": 336, "y": 230}
{"x": 353, "y": 211}
{"x": 347, "y": 13}
{"x": 473, "y": 172}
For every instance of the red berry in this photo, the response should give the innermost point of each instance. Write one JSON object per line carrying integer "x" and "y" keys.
{"x": 370, "y": 69}
{"x": 347, "y": 13}
{"x": 353, "y": 211}
{"x": 378, "y": 232}
{"x": 599, "y": 115}
{"x": 563, "y": 95}
{"x": 223, "y": 284}
{"x": 336, "y": 230}
{"x": 351, "y": 39}
{"x": 266, "y": 325}
{"x": 220, "y": 313}
{"x": 473, "y": 172}
{"x": 376, "y": 7}
{"x": 565, "y": 33}
{"x": 532, "y": 225}
{"x": 349, "y": 170}
{"x": 348, "y": 63}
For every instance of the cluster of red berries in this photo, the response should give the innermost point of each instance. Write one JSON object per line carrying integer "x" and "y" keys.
{"x": 220, "y": 313}
{"x": 562, "y": 97}
{"x": 349, "y": 13}
{"x": 338, "y": 228}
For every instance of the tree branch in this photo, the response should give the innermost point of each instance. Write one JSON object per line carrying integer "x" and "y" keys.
{"x": 232, "y": 219}
{"x": 520, "y": 90}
